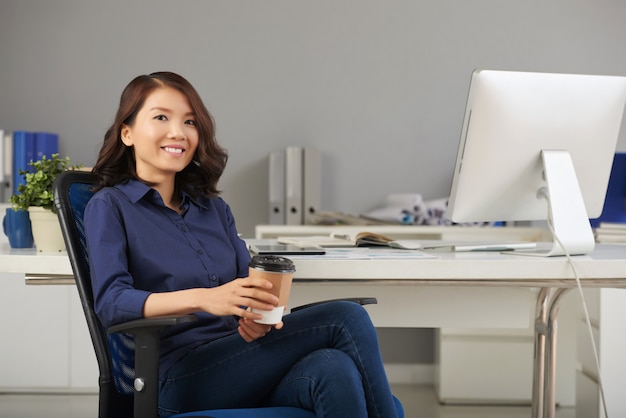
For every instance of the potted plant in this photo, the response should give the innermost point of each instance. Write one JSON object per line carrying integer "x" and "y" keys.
{"x": 35, "y": 196}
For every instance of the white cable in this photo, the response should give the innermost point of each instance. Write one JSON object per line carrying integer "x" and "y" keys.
{"x": 584, "y": 304}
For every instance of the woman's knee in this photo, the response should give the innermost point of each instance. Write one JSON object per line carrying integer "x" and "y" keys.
{"x": 353, "y": 317}
{"x": 349, "y": 307}
{"x": 345, "y": 311}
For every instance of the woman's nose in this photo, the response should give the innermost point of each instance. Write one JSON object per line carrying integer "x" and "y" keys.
{"x": 176, "y": 131}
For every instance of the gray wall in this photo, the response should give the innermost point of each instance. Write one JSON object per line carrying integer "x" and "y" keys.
{"x": 379, "y": 87}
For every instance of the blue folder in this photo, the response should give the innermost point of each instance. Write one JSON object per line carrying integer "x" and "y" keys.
{"x": 614, "y": 209}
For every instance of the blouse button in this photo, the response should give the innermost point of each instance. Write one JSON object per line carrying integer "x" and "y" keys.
{"x": 200, "y": 252}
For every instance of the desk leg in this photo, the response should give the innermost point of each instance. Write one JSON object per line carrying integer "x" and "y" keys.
{"x": 541, "y": 316}
{"x": 550, "y": 377}
{"x": 544, "y": 374}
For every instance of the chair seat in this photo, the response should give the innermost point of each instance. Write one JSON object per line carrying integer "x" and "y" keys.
{"x": 274, "y": 412}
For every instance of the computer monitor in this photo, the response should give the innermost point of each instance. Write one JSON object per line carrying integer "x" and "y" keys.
{"x": 538, "y": 146}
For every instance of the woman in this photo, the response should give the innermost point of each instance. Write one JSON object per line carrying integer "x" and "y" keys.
{"x": 162, "y": 242}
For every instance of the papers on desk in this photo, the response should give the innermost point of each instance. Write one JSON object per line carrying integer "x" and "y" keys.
{"x": 363, "y": 253}
{"x": 345, "y": 252}
{"x": 467, "y": 246}
{"x": 324, "y": 241}
{"x": 362, "y": 239}
{"x": 373, "y": 240}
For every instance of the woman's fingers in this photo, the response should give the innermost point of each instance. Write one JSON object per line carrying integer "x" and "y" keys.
{"x": 234, "y": 297}
{"x": 256, "y": 290}
{"x": 251, "y": 330}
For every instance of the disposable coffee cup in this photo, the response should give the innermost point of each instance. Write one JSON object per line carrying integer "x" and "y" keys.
{"x": 279, "y": 271}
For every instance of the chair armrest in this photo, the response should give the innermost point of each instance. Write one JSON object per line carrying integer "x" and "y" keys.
{"x": 360, "y": 301}
{"x": 155, "y": 324}
{"x": 146, "y": 332}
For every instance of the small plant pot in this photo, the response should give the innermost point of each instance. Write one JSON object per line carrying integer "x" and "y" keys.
{"x": 46, "y": 230}
{"x": 16, "y": 226}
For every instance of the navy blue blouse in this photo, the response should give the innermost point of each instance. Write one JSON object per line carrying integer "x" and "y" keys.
{"x": 137, "y": 245}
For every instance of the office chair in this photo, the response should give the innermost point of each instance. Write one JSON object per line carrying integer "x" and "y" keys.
{"x": 128, "y": 353}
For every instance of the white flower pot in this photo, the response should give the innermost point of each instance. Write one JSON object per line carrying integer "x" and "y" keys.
{"x": 46, "y": 230}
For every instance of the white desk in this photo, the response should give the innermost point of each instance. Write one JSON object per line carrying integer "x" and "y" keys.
{"x": 475, "y": 279}
{"x": 606, "y": 267}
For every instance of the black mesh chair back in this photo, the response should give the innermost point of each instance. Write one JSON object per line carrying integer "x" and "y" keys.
{"x": 72, "y": 191}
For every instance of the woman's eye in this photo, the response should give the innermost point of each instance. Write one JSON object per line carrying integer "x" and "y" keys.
{"x": 160, "y": 117}
{"x": 190, "y": 122}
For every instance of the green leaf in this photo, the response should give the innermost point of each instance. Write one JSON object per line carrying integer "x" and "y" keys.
{"x": 38, "y": 179}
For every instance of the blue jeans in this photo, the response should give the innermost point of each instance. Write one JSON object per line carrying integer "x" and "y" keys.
{"x": 325, "y": 359}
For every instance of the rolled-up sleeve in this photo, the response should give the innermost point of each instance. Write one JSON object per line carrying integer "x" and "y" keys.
{"x": 241, "y": 251}
{"x": 116, "y": 299}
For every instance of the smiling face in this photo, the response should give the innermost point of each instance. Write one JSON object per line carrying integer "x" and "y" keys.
{"x": 163, "y": 135}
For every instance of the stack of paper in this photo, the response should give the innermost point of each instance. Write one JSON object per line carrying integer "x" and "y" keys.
{"x": 612, "y": 232}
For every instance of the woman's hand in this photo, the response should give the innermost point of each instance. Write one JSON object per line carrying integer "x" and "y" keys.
{"x": 232, "y": 298}
{"x": 237, "y": 296}
{"x": 250, "y": 330}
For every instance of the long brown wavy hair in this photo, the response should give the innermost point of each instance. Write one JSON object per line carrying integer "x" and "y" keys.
{"x": 116, "y": 161}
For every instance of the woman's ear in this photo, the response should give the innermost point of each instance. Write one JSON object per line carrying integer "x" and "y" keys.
{"x": 125, "y": 135}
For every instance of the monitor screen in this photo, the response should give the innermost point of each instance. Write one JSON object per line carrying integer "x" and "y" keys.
{"x": 513, "y": 123}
